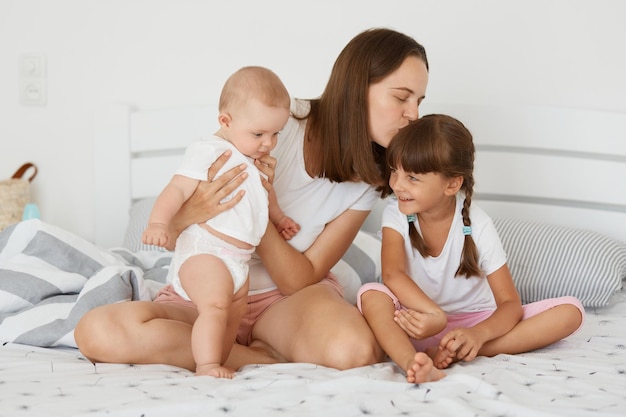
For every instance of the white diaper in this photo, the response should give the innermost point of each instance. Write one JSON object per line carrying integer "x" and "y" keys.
{"x": 196, "y": 240}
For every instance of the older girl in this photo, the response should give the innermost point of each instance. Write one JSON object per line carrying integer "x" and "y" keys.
{"x": 447, "y": 289}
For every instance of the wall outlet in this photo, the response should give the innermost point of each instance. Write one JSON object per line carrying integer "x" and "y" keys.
{"x": 33, "y": 92}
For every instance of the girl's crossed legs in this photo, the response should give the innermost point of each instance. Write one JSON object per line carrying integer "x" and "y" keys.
{"x": 544, "y": 322}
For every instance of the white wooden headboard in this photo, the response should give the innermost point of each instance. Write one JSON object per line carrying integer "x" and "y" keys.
{"x": 556, "y": 165}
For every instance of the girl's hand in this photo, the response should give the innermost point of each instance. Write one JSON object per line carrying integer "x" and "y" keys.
{"x": 206, "y": 202}
{"x": 464, "y": 343}
{"x": 420, "y": 325}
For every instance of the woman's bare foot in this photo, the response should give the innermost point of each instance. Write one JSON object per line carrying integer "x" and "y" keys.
{"x": 215, "y": 370}
{"x": 423, "y": 370}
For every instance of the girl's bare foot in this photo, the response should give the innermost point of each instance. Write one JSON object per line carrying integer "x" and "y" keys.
{"x": 215, "y": 370}
{"x": 442, "y": 358}
{"x": 423, "y": 370}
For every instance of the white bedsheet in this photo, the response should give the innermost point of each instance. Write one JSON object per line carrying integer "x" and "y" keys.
{"x": 583, "y": 375}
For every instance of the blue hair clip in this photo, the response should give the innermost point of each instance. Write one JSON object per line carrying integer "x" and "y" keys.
{"x": 411, "y": 218}
{"x": 467, "y": 230}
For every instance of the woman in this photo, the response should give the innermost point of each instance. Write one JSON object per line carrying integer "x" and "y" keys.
{"x": 330, "y": 162}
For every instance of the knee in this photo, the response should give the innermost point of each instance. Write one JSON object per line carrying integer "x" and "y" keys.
{"x": 575, "y": 312}
{"x": 91, "y": 335}
{"x": 352, "y": 351}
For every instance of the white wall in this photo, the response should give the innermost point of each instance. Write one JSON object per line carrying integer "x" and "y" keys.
{"x": 178, "y": 52}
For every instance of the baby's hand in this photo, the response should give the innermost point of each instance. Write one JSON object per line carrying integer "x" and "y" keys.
{"x": 155, "y": 234}
{"x": 287, "y": 227}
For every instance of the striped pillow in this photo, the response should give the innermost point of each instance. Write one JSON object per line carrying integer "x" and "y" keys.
{"x": 549, "y": 261}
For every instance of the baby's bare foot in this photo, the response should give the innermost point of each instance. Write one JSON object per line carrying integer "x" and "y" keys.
{"x": 215, "y": 370}
{"x": 423, "y": 370}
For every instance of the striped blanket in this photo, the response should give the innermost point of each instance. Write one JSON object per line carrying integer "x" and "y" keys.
{"x": 50, "y": 277}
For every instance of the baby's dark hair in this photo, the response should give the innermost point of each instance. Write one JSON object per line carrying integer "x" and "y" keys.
{"x": 441, "y": 144}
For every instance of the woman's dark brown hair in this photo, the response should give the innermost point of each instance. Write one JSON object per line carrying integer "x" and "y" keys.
{"x": 338, "y": 139}
{"x": 441, "y": 144}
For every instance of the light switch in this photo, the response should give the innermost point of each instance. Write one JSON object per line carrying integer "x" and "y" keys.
{"x": 32, "y": 66}
{"x": 32, "y": 80}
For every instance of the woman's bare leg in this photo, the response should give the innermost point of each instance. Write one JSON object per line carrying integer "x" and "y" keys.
{"x": 138, "y": 332}
{"x": 144, "y": 332}
{"x": 316, "y": 325}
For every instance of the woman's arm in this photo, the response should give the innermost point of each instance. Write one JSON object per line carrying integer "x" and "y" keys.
{"x": 291, "y": 270}
{"x": 281, "y": 259}
{"x": 205, "y": 202}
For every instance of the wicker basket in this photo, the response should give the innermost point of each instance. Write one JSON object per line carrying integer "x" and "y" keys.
{"x": 15, "y": 194}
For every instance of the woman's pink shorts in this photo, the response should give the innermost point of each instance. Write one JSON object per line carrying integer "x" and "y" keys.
{"x": 257, "y": 305}
{"x": 470, "y": 319}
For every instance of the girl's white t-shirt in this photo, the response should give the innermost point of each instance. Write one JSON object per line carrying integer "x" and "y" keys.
{"x": 436, "y": 275}
{"x": 311, "y": 202}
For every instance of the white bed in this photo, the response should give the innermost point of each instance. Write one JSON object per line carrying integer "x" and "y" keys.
{"x": 552, "y": 178}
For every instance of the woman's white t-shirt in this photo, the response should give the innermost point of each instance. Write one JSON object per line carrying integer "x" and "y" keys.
{"x": 311, "y": 202}
{"x": 436, "y": 275}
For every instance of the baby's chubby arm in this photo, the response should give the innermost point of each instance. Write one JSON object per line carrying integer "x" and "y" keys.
{"x": 171, "y": 199}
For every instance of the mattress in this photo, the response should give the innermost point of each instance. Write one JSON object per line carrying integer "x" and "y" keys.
{"x": 582, "y": 375}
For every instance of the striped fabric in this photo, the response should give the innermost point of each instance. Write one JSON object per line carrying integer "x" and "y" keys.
{"x": 550, "y": 261}
{"x": 49, "y": 278}
{"x": 359, "y": 265}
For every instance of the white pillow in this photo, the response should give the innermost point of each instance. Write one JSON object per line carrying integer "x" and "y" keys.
{"x": 550, "y": 261}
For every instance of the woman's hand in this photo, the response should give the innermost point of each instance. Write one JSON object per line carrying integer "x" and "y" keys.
{"x": 206, "y": 201}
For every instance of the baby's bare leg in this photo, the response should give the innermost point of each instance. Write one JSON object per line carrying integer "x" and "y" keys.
{"x": 211, "y": 336}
